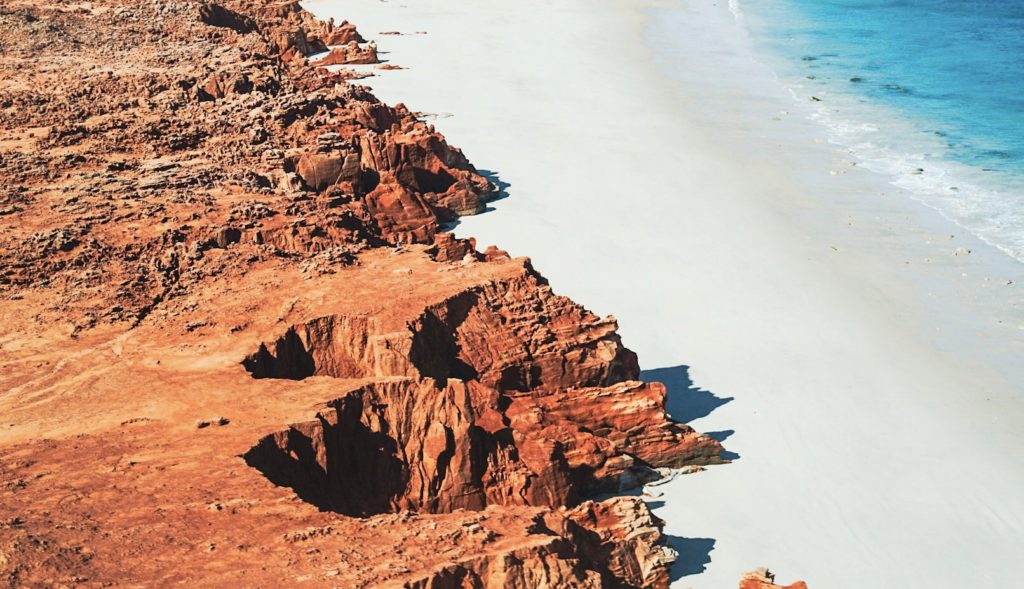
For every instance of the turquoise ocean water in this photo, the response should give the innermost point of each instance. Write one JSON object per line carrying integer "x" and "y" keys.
{"x": 930, "y": 92}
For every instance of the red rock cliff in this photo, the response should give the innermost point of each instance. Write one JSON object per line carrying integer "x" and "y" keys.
{"x": 235, "y": 337}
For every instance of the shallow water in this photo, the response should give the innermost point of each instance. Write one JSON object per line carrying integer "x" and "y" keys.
{"x": 927, "y": 92}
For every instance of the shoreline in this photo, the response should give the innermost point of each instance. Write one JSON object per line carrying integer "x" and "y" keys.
{"x": 833, "y": 301}
{"x": 899, "y": 139}
{"x": 913, "y": 249}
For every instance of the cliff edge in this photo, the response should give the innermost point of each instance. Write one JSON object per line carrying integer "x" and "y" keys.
{"x": 239, "y": 348}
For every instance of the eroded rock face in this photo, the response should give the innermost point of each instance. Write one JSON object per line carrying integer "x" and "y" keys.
{"x": 430, "y": 447}
{"x": 338, "y": 346}
{"x": 625, "y": 538}
{"x": 611, "y": 436}
{"x": 514, "y": 335}
{"x": 342, "y": 34}
{"x": 404, "y": 173}
{"x": 295, "y": 33}
{"x": 519, "y": 336}
{"x": 422, "y": 160}
{"x": 615, "y": 543}
{"x": 350, "y": 53}
{"x": 448, "y": 248}
{"x": 409, "y": 445}
{"x": 552, "y": 564}
{"x": 320, "y": 171}
{"x": 402, "y": 214}
{"x": 436, "y": 447}
{"x": 539, "y": 397}
{"x": 195, "y": 185}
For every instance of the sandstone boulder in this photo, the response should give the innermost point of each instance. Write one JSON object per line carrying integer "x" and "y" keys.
{"x": 763, "y": 579}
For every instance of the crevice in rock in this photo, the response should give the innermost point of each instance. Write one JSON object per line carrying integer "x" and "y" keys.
{"x": 429, "y": 181}
{"x": 290, "y": 359}
{"x": 435, "y": 349}
{"x": 403, "y": 445}
{"x": 218, "y": 16}
{"x": 503, "y": 393}
{"x": 336, "y": 462}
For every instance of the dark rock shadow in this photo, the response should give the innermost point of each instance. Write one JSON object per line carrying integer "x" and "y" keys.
{"x": 336, "y": 465}
{"x": 290, "y": 359}
{"x": 500, "y": 184}
{"x": 694, "y": 556}
{"x": 685, "y": 401}
{"x": 722, "y": 436}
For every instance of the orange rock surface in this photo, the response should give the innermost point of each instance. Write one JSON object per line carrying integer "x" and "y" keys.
{"x": 763, "y": 579}
{"x": 350, "y": 53}
{"x": 238, "y": 350}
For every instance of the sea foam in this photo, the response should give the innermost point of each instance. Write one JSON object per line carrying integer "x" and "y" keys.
{"x": 954, "y": 145}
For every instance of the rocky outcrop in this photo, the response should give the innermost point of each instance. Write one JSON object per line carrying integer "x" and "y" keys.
{"x": 514, "y": 335}
{"x": 520, "y": 336}
{"x": 338, "y": 169}
{"x": 508, "y": 395}
{"x": 408, "y": 445}
{"x": 763, "y": 579}
{"x": 422, "y": 160}
{"x": 552, "y": 563}
{"x": 612, "y": 437}
{"x": 615, "y": 543}
{"x": 196, "y": 185}
{"x": 342, "y": 34}
{"x": 350, "y": 53}
{"x": 431, "y": 447}
{"x": 448, "y": 248}
{"x": 403, "y": 176}
{"x": 621, "y": 538}
{"x": 295, "y": 33}
{"x": 402, "y": 214}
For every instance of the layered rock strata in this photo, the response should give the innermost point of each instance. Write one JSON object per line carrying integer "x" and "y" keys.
{"x": 235, "y": 336}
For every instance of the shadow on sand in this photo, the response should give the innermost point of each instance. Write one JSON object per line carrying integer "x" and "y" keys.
{"x": 685, "y": 402}
{"x": 501, "y": 185}
{"x": 694, "y": 555}
{"x": 722, "y": 436}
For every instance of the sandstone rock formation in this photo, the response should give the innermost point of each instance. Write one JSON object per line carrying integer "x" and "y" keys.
{"x": 350, "y": 53}
{"x": 763, "y": 579}
{"x": 235, "y": 335}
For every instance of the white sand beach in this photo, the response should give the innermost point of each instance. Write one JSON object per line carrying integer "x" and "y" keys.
{"x": 870, "y": 381}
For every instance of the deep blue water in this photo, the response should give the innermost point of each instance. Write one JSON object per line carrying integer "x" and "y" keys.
{"x": 930, "y": 91}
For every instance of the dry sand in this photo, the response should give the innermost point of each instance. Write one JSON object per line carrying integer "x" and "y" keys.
{"x": 868, "y": 379}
